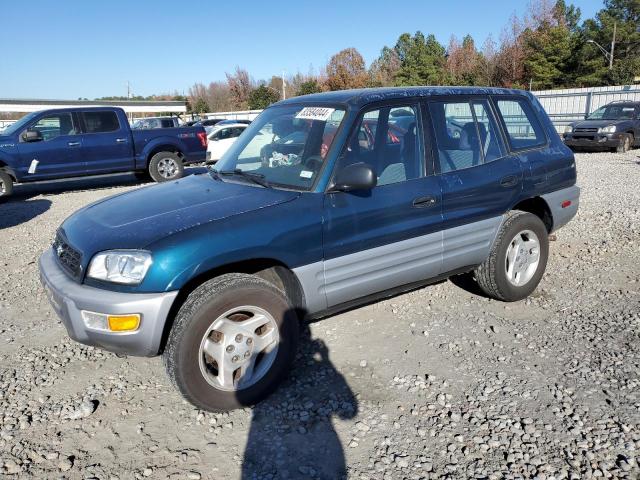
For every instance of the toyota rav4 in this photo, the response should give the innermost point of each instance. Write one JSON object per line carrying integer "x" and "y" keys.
{"x": 382, "y": 191}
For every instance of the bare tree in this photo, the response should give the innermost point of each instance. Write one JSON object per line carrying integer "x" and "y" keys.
{"x": 198, "y": 95}
{"x": 511, "y": 56}
{"x": 240, "y": 85}
{"x": 219, "y": 97}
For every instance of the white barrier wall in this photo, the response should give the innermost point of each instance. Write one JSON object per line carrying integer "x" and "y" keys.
{"x": 568, "y": 105}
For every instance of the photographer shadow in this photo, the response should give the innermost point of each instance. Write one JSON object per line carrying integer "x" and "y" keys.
{"x": 292, "y": 435}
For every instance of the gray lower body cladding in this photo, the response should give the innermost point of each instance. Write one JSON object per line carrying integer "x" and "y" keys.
{"x": 342, "y": 279}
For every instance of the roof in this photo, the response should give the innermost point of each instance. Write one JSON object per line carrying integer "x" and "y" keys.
{"x": 363, "y": 96}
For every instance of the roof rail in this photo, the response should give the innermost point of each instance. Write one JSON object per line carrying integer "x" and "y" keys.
{"x": 623, "y": 101}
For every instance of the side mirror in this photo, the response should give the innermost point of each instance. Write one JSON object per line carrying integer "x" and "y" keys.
{"x": 358, "y": 176}
{"x": 32, "y": 136}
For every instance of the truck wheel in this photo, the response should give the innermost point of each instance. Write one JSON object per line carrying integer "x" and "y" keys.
{"x": 165, "y": 166}
{"x": 517, "y": 260}
{"x": 625, "y": 143}
{"x": 232, "y": 342}
{"x": 6, "y": 186}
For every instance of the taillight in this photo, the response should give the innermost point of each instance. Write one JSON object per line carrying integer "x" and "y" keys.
{"x": 203, "y": 138}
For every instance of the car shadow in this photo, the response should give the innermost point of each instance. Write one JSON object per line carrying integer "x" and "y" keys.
{"x": 466, "y": 282}
{"x": 16, "y": 213}
{"x": 292, "y": 433}
{"x": 80, "y": 184}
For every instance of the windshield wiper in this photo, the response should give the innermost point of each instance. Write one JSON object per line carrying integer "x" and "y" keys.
{"x": 256, "y": 178}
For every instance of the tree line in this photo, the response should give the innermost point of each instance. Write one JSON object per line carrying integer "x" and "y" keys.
{"x": 550, "y": 46}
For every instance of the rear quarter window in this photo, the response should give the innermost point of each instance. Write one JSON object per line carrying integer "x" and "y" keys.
{"x": 523, "y": 128}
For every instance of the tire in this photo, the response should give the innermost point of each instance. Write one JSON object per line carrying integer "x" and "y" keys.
{"x": 165, "y": 166}
{"x": 6, "y": 186}
{"x": 493, "y": 276}
{"x": 625, "y": 143}
{"x": 207, "y": 308}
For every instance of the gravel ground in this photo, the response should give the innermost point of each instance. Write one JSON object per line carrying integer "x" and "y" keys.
{"x": 436, "y": 383}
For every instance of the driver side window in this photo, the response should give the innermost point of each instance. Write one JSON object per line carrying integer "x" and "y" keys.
{"x": 389, "y": 140}
{"x": 53, "y": 126}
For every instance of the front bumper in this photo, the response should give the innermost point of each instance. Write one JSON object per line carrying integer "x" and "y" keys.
{"x": 592, "y": 140}
{"x": 69, "y": 298}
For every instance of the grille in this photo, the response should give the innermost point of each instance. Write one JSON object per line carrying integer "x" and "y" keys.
{"x": 68, "y": 257}
{"x": 586, "y": 130}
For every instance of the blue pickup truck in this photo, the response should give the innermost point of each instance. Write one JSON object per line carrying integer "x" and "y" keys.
{"x": 61, "y": 143}
{"x": 376, "y": 192}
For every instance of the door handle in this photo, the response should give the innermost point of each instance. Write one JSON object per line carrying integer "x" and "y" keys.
{"x": 73, "y": 144}
{"x": 425, "y": 202}
{"x": 121, "y": 140}
{"x": 509, "y": 181}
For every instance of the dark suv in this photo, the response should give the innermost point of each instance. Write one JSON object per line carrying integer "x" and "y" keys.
{"x": 363, "y": 194}
{"x": 615, "y": 126}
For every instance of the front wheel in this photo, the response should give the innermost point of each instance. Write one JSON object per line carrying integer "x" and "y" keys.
{"x": 232, "y": 343}
{"x": 6, "y": 186}
{"x": 165, "y": 166}
{"x": 517, "y": 260}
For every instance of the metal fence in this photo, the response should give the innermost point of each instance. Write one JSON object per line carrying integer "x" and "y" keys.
{"x": 569, "y": 105}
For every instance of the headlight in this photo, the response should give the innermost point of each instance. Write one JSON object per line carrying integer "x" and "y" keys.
{"x": 568, "y": 129}
{"x": 607, "y": 129}
{"x": 120, "y": 266}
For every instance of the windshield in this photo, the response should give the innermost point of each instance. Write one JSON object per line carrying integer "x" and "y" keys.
{"x": 613, "y": 112}
{"x": 285, "y": 145}
{"x": 19, "y": 125}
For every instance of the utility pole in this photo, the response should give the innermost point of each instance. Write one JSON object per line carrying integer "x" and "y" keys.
{"x": 613, "y": 44}
{"x": 128, "y": 90}
{"x": 284, "y": 91}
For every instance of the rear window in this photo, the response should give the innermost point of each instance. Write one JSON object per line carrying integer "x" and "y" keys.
{"x": 523, "y": 128}
{"x": 100, "y": 122}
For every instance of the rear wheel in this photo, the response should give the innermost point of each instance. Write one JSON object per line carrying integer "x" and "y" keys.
{"x": 232, "y": 342}
{"x": 517, "y": 260}
{"x": 6, "y": 186}
{"x": 165, "y": 166}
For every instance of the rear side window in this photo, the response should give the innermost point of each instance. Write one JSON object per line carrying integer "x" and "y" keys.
{"x": 100, "y": 122}
{"x": 466, "y": 134}
{"x": 523, "y": 128}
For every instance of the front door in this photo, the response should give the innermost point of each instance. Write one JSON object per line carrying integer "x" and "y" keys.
{"x": 388, "y": 236}
{"x": 58, "y": 154}
{"x": 480, "y": 180}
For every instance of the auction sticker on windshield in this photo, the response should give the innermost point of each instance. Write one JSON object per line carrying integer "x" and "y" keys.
{"x": 315, "y": 113}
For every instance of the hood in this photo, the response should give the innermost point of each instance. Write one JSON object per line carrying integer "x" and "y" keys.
{"x": 140, "y": 217}
{"x": 598, "y": 123}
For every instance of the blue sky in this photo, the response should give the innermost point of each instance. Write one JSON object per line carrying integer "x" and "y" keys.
{"x": 74, "y": 49}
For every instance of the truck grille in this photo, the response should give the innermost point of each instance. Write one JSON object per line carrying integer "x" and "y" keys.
{"x": 68, "y": 257}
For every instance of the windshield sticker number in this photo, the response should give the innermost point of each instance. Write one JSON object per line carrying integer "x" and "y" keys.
{"x": 306, "y": 174}
{"x": 315, "y": 113}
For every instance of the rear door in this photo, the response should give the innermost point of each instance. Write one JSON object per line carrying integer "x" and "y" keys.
{"x": 106, "y": 142}
{"x": 479, "y": 179}
{"x": 388, "y": 236}
{"x": 58, "y": 154}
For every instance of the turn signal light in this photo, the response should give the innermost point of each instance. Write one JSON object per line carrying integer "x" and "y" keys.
{"x": 123, "y": 323}
{"x": 111, "y": 323}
